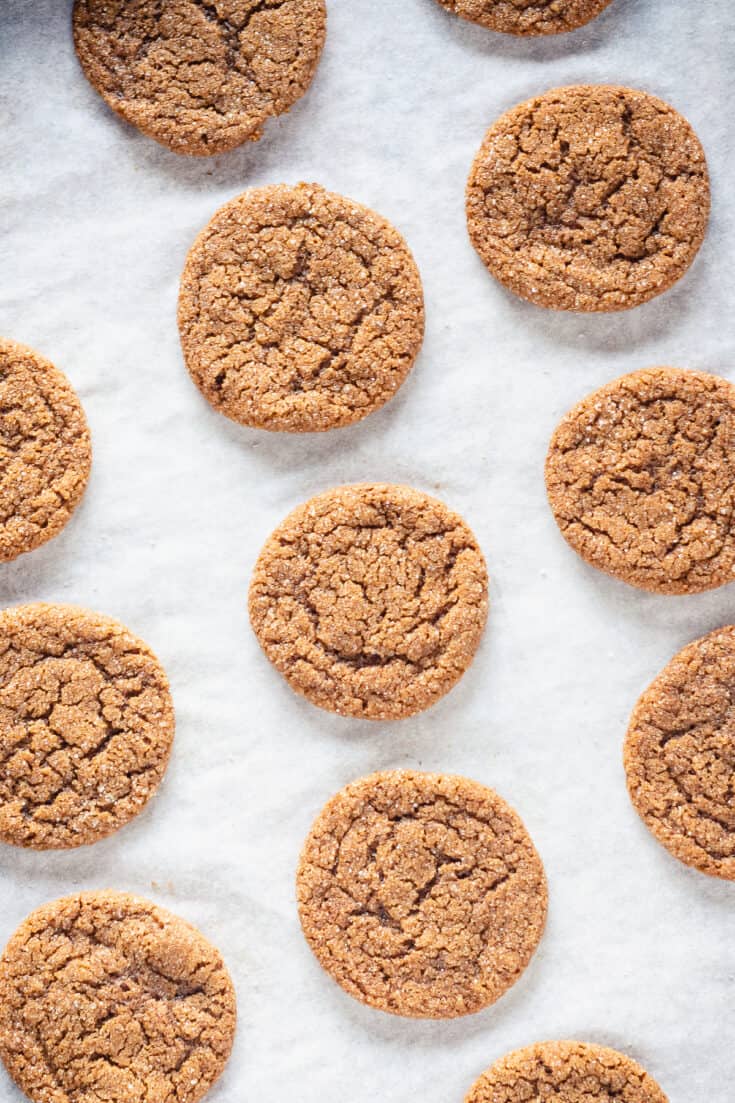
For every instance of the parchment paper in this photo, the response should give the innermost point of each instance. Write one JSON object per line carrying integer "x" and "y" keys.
{"x": 639, "y": 952}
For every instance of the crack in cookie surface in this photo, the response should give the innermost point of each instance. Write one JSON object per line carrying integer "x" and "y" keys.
{"x": 45, "y": 450}
{"x": 200, "y": 76}
{"x": 371, "y": 600}
{"x": 567, "y": 1072}
{"x": 680, "y": 755}
{"x": 106, "y": 998}
{"x": 641, "y": 479}
{"x": 421, "y": 894}
{"x": 528, "y": 17}
{"x": 86, "y": 726}
{"x": 589, "y": 198}
{"x": 299, "y": 309}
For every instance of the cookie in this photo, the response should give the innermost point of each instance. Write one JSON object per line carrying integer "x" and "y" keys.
{"x": 86, "y": 725}
{"x": 299, "y": 310}
{"x": 45, "y": 450}
{"x": 528, "y": 17}
{"x": 107, "y": 997}
{"x": 567, "y": 1072}
{"x": 199, "y": 76}
{"x": 421, "y": 894}
{"x": 680, "y": 755}
{"x": 370, "y": 600}
{"x": 589, "y": 198}
{"x": 641, "y": 478}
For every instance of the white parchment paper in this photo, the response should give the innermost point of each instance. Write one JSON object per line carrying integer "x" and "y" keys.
{"x": 96, "y": 220}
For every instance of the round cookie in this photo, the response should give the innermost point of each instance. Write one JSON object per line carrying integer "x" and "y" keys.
{"x": 589, "y": 198}
{"x": 45, "y": 450}
{"x": 421, "y": 894}
{"x": 199, "y": 76}
{"x": 680, "y": 755}
{"x": 641, "y": 478}
{"x": 86, "y": 725}
{"x": 567, "y": 1072}
{"x": 370, "y": 600}
{"x": 105, "y": 996}
{"x": 299, "y": 310}
{"x": 528, "y": 17}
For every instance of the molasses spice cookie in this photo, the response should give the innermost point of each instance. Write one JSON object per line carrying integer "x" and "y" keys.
{"x": 106, "y": 998}
{"x": 641, "y": 478}
{"x": 86, "y": 725}
{"x": 528, "y": 17}
{"x": 199, "y": 76}
{"x": 370, "y": 600}
{"x": 421, "y": 894}
{"x": 565, "y": 1072}
{"x": 299, "y": 310}
{"x": 680, "y": 755}
{"x": 589, "y": 198}
{"x": 45, "y": 450}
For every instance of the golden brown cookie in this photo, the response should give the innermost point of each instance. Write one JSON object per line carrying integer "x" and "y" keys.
{"x": 107, "y": 998}
{"x": 680, "y": 755}
{"x": 641, "y": 478}
{"x": 45, "y": 450}
{"x": 299, "y": 310}
{"x": 86, "y": 725}
{"x": 565, "y": 1072}
{"x": 199, "y": 76}
{"x": 370, "y": 600}
{"x": 589, "y": 198}
{"x": 528, "y": 17}
{"x": 421, "y": 894}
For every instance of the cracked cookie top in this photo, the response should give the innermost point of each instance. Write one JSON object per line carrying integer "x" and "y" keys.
{"x": 421, "y": 894}
{"x": 299, "y": 310}
{"x": 199, "y": 76}
{"x": 589, "y": 198}
{"x": 45, "y": 450}
{"x": 106, "y": 998}
{"x": 86, "y": 725}
{"x": 528, "y": 17}
{"x": 370, "y": 600}
{"x": 680, "y": 755}
{"x": 567, "y": 1072}
{"x": 641, "y": 478}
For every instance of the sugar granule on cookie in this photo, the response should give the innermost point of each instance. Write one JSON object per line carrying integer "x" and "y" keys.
{"x": 589, "y": 198}
{"x": 45, "y": 450}
{"x": 421, "y": 894}
{"x": 200, "y": 76}
{"x": 86, "y": 726}
{"x": 565, "y": 1072}
{"x": 680, "y": 755}
{"x": 640, "y": 476}
{"x": 370, "y": 600}
{"x": 299, "y": 310}
{"x": 107, "y": 998}
{"x": 528, "y": 17}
